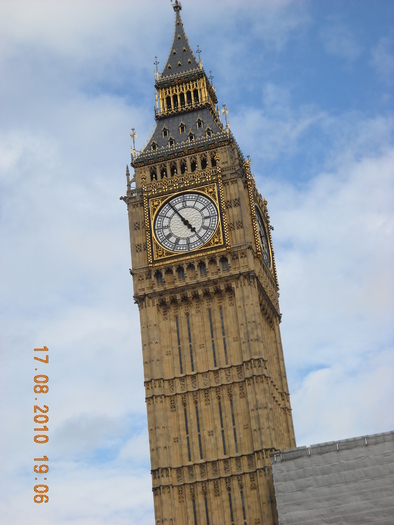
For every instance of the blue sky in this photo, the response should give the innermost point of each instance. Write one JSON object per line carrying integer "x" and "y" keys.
{"x": 309, "y": 88}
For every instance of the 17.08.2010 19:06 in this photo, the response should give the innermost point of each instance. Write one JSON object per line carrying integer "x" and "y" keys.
{"x": 41, "y": 418}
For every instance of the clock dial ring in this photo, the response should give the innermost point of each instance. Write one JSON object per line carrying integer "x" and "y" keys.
{"x": 263, "y": 239}
{"x": 186, "y": 222}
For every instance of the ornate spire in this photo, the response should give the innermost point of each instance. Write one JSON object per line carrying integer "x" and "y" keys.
{"x": 177, "y": 6}
{"x": 181, "y": 58}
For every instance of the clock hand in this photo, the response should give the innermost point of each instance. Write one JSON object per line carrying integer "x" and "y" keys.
{"x": 185, "y": 221}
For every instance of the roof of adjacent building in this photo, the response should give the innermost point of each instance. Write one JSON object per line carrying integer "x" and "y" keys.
{"x": 343, "y": 482}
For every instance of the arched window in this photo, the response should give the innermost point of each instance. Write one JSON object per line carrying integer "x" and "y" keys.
{"x": 191, "y": 137}
{"x": 153, "y": 146}
{"x": 224, "y": 262}
{"x": 163, "y": 172}
{"x": 153, "y": 173}
{"x": 173, "y": 169}
{"x": 200, "y": 123}
{"x": 182, "y": 98}
{"x": 175, "y": 101}
{"x": 183, "y": 167}
{"x": 165, "y": 132}
{"x": 159, "y": 277}
{"x": 171, "y": 142}
{"x": 203, "y": 268}
{"x": 193, "y": 164}
{"x": 181, "y": 273}
{"x": 189, "y": 98}
{"x": 195, "y": 96}
{"x": 208, "y": 132}
{"x": 168, "y": 103}
{"x": 182, "y": 128}
{"x": 213, "y": 161}
{"x": 204, "y": 162}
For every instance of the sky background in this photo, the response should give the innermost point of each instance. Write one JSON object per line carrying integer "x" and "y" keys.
{"x": 309, "y": 87}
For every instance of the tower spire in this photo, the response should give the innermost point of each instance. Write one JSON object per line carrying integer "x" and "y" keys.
{"x": 181, "y": 58}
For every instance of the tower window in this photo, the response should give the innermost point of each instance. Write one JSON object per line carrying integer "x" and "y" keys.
{"x": 168, "y": 102}
{"x": 189, "y": 98}
{"x": 183, "y": 167}
{"x": 182, "y": 128}
{"x": 171, "y": 142}
{"x": 174, "y": 52}
{"x": 153, "y": 174}
{"x": 195, "y": 96}
{"x": 182, "y": 99}
{"x": 159, "y": 278}
{"x": 199, "y": 123}
{"x": 173, "y": 169}
{"x": 153, "y": 146}
{"x": 224, "y": 262}
{"x": 203, "y": 268}
{"x": 163, "y": 172}
{"x": 213, "y": 161}
{"x": 179, "y": 64}
{"x": 204, "y": 162}
{"x": 175, "y": 101}
{"x": 208, "y": 132}
{"x": 191, "y": 137}
{"x": 189, "y": 61}
{"x": 181, "y": 273}
{"x": 193, "y": 164}
{"x": 165, "y": 132}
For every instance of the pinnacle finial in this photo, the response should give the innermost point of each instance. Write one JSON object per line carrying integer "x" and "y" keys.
{"x": 225, "y": 113}
{"x": 177, "y": 6}
{"x": 128, "y": 177}
{"x": 199, "y": 51}
{"x": 133, "y": 135}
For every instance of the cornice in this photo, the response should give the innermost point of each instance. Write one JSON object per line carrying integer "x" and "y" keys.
{"x": 237, "y": 466}
{"x": 181, "y": 149}
{"x": 196, "y": 291}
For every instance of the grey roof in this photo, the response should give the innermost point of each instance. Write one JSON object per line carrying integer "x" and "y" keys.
{"x": 346, "y": 482}
{"x": 181, "y": 58}
{"x": 173, "y": 123}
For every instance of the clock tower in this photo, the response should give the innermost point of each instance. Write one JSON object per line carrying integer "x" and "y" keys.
{"x": 205, "y": 283}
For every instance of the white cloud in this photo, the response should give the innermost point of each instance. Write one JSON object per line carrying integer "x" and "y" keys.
{"x": 339, "y": 40}
{"x": 334, "y": 247}
{"x": 382, "y": 59}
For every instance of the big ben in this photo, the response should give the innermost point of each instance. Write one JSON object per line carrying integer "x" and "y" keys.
{"x": 205, "y": 282}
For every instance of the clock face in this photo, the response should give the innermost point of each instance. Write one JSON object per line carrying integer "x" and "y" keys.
{"x": 186, "y": 222}
{"x": 264, "y": 245}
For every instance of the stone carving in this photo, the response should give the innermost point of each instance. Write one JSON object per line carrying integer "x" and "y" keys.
{"x": 216, "y": 490}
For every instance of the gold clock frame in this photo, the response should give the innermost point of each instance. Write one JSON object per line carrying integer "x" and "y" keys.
{"x": 253, "y": 204}
{"x": 218, "y": 242}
